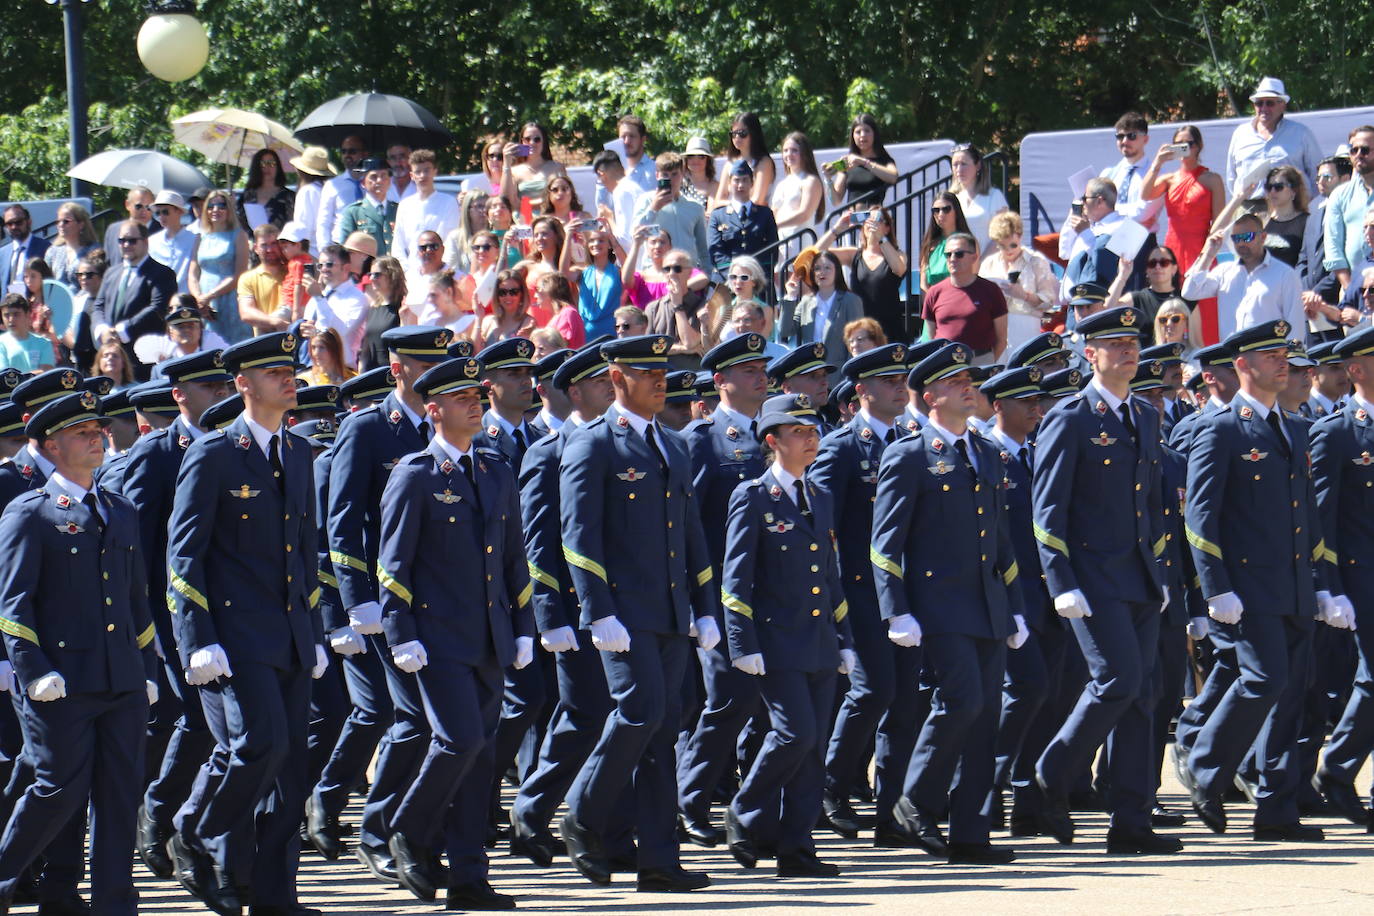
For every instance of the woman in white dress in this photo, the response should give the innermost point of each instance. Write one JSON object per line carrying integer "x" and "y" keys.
{"x": 798, "y": 200}
{"x": 972, "y": 184}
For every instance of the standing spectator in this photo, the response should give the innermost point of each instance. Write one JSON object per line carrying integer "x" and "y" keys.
{"x": 1162, "y": 279}
{"x": 138, "y": 203}
{"x": 665, "y": 207}
{"x": 20, "y": 348}
{"x": 1291, "y": 230}
{"x": 680, "y": 311}
{"x": 821, "y": 315}
{"x": 547, "y": 241}
{"x": 799, "y": 196}
{"x": 699, "y": 183}
{"x": 326, "y": 360}
{"x": 500, "y": 219}
{"x": 649, "y": 282}
{"x": 219, "y": 259}
{"x": 867, "y": 171}
{"x": 630, "y": 321}
{"x": 600, "y": 288}
{"x": 259, "y": 289}
{"x": 638, "y": 164}
{"x": 89, "y": 275}
{"x": 427, "y": 210}
{"x": 748, "y": 145}
{"x": 966, "y": 308}
{"x": 135, "y": 293}
{"x": 22, "y": 245}
{"x": 1270, "y": 137}
{"x": 524, "y": 178}
{"x": 1127, "y": 176}
{"x": 561, "y": 202}
{"x": 946, "y": 218}
{"x": 1024, "y": 276}
{"x": 386, "y": 299}
{"x": 745, "y": 279}
{"x": 172, "y": 246}
{"x": 740, "y": 226}
{"x": 553, "y": 294}
{"x": 75, "y": 239}
{"x": 1332, "y": 172}
{"x": 428, "y": 262}
{"x": 1254, "y": 288}
{"x": 336, "y": 302}
{"x": 863, "y": 334}
{"x": 265, "y": 198}
{"x": 478, "y": 288}
{"x": 313, "y": 169}
{"x": 1346, "y": 208}
{"x": 876, "y": 268}
{"x": 510, "y": 314}
{"x": 971, "y": 182}
{"x": 339, "y": 192}
{"x": 398, "y": 161}
{"x": 490, "y": 180}
{"x": 472, "y": 219}
{"x": 617, "y": 191}
{"x": 373, "y": 213}
{"x": 294, "y": 238}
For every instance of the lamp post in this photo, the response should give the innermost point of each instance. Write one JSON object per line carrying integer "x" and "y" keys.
{"x": 76, "y": 85}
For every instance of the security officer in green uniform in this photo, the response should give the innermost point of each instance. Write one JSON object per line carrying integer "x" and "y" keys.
{"x": 372, "y": 213}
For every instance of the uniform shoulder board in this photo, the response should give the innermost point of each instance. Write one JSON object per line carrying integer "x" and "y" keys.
{"x": 415, "y": 458}
{"x": 488, "y": 452}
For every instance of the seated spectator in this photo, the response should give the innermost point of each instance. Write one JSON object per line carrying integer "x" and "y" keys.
{"x": 36, "y": 270}
{"x": 499, "y": 220}
{"x": 1357, "y": 302}
{"x": 1162, "y": 282}
{"x": 1292, "y": 233}
{"x": 554, "y": 297}
{"x": 739, "y": 226}
{"x": 665, "y": 207}
{"x": 946, "y": 218}
{"x": 472, "y": 219}
{"x": 966, "y": 308}
{"x": 89, "y": 275}
{"x": 185, "y": 334}
{"x": 680, "y": 311}
{"x": 75, "y": 239}
{"x": 747, "y": 145}
{"x": 1172, "y": 325}
{"x": 361, "y": 250}
{"x": 647, "y": 282}
{"x": 510, "y": 313}
{"x": 822, "y": 312}
{"x": 863, "y": 334}
{"x": 388, "y": 296}
{"x": 877, "y": 267}
{"x": 752, "y": 316}
{"x": 867, "y": 171}
{"x": 1255, "y": 287}
{"x": 327, "y": 365}
{"x": 1271, "y": 137}
{"x": 1023, "y": 274}
{"x": 630, "y": 321}
{"x": 971, "y": 183}
{"x": 265, "y": 198}
{"x": 112, "y": 361}
{"x": 546, "y": 341}
{"x": 336, "y": 302}
{"x": 446, "y": 307}
{"x": 20, "y": 348}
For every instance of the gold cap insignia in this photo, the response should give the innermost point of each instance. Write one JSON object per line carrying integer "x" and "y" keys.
{"x": 471, "y": 369}
{"x": 523, "y": 349}
{"x": 1280, "y": 328}
{"x": 1128, "y": 318}
{"x": 960, "y": 355}
{"x": 68, "y": 379}
{"x": 755, "y": 342}
{"x": 818, "y": 350}
{"x": 1034, "y": 374}
{"x": 1054, "y": 340}
{"x": 288, "y": 343}
{"x": 899, "y": 354}
{"x": 87, "y": 400}
{"x": 660, "y": 346}
{"x": 1156, "y": 369}
{"x": 803, "y": 401}
{"x": 218, "y": 360}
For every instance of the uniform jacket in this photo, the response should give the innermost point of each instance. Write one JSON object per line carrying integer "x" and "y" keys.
{"x": 332, "y": 612}
{"x": 362, "y": 216}
{"x": 1252, "y": 513}
{"x": 1179, "y": 574}
{"x": 724, "y": 454}
{"x": 451, "y": 566}
{"x": 1096, "y": 494}
{"x": 632, "y": 535}
{"x": 1343, "y": 475}
{"x": 495, "y": 437}
{"x": 1180, "y": 436}
{"x": 729, "y": 235}
{"x": 20, "y": 474}
{"x": 241, "y": 555}
{"x": 73, "y": 596}
{"x": 941, "y": 547}
{"x": 780, "y": 586}
{"x": 555, "y": 598}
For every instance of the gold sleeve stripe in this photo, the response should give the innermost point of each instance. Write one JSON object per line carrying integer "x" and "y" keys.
{"x": 1050, "y": 540}
{"x": 315, "y": 599}
{"x": 146, "y": 637}
{"x": 1159, "y": 546}
{"x": 1203, "y": 544}
{"x": 17, "y": 630}
{"x": 704, "y": 576}
{"x": 524, "y": 597}
{"x": 1010, "y": 575}
{"x": 1329, "y": 555}
{"x": 542, "y": 577}
{"x": 883, "y": 563}
{"x": 389, "y": 583}
{"x": 185, "y": 589}
{"x": 328, "y": 579}
{"x": 734, "y": 604}
{"x": 576, "y": 559}
{"x": 342, "y": 559}
{"x": 842, "y": 611}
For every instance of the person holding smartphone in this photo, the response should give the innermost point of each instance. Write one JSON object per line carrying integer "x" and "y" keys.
{"x": 527, "y": 168}
{"x": 666, "y": 208}
{"x": 1024, "y": 276}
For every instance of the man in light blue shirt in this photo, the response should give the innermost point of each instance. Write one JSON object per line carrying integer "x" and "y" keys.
{"x": 1346, "y": 208}
{"x": 684, "y": 220}
{"x": 1270, "y": 137}
{"x": 172, "y": 246}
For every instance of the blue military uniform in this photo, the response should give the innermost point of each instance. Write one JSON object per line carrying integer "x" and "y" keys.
{"x": 735, "y": 229}
{"x": 930, "y": 485}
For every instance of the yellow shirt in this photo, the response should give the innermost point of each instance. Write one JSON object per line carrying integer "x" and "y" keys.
{"x": 262, "y": 287}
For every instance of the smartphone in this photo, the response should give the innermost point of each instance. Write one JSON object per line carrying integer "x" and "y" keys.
{"x": 1178, "y": 150}
{"x": 590, "y": 225}
{"x": 518, "y": 233}
{"x": 522, "y": 149}
{"x": 654, "y": 232}
{"x": 1076, "y": 208}
{"x": 665, "y": 184}
{"x": 839, "y": 165}
{"x": 1014, "y": 276}
{"x": 310, "y": 270}
{"x": 874, "y": 216}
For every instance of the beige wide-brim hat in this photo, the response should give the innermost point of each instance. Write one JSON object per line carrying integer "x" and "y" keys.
{"x": 315, "y": 161}
{"x": 697, "y": 146}
{"x": 362, "y": 243}
{"x": 1269, "y": 88}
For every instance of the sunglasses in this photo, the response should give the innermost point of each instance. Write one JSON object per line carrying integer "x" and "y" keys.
{"x": 1367, "y": 291}
{"x": 739, "y": 133}
{"x": 329, "y": 265}
{"x": 1160, "y": 262}
{"x": 1277, "y": 186}
{"x": 217, "y": 205}
{"x": 1360, "y": 151}
{"x": 484, "y": 246}
{"x": 15, "y": 222}
{"x": 161, "y": 211}
{"x": 741, "y": 278}
{"x": 506, "y": 291}
{"x": 375, "y": 274}
{"x": 959, "y": 253}
{"x": 1127, "y": 135}
{"x": 1169, "y": 319}
{"x": 623, "y": 327}
{"x": 1238, "y": 237}
{"x": 138, "y": 207}
{"x": 133, "y": 241}
{"x": 429, "y": 246}
{"x": 1264, "y": 103}
{"x": 947, "y": 208}
{"x": 85, "y": 274}
{"x": 676, "y": 269}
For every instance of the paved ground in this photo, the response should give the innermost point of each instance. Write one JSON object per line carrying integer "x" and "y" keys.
{"x": 1215, "y": 874}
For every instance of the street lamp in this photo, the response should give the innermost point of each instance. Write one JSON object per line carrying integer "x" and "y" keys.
{"x": 172, "y": 43}
{"x": 76, "y": 85}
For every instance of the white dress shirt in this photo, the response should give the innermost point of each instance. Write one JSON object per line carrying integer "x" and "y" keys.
{"x": 1247, "y": 297}
{"x": 77, "y": 493}
{"x": 344, "y": 309}
{"x": 415, "y": 214}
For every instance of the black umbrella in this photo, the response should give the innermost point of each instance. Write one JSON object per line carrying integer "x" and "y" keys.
{"x": 381, "y": 120}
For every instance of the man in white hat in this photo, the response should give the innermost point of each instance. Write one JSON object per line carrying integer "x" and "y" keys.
{"x": 172, "y": 246}
{"x": 1272, "y": 139}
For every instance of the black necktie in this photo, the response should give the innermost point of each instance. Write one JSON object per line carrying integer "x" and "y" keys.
{"x": 1277, "y": 427}
{"x": 891, "y": 436}
{"x": 274, "y": 459}
{"x": 89, "y": 502}
{"x": 519, "y": 436}
{"x": 1024, "y": 457}
{"x": 424, "y": 431}
{"x": 653, "y": 447}
{"x": 754, "y": 430}
{"x": 470, "y": 472}
{"x": 801, "y": 497}
{"x": 1126, "y": 418}
{"x": 962, "y": 445}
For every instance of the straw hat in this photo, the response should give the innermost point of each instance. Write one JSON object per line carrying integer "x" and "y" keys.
{"x": 314, "y": 161}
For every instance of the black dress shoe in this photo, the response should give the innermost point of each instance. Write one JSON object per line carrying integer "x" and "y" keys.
{"x": 624, "y": 863}
{"x": 671, "y": 880}
{"x": 741, "y": 844}
{"x": 862, "y": 792}
{"x": 224, "y": 898}
{"x": 1287, "y": 833}
{"x": 1161, "y": 816}
{"x": 839, "y": 816}
{"x": 538, "y": 846}
{"x": 1024, "y": 825}
{"x": 699, "y": 834}
{"x": 5, "y": 903}
{"x": 152, "y": 845}
{"x": 72, "y": 905}
{"x": 26, "y": 890}
{"x": 1211, "y": 810}
{"x": 803, "y": 863}
{"x": 891, "y": 836}
{"x": 190, "y": 866}
{"x": 412, "y": 866}
{"x": 295, "y": 909}
{"x": 1248, "y": 788}
{"x": 1142, "y": 841}
{"x": 322, "y": 829}
{"x": 584, "y": 849}
{"x": 1185, "y": 775}
{"x": 1055, "y": 819}
{"x": 1342, "y": 797}
{"x": 921, "y": 825}
{"x": 979, "y": 854}
{"x": 379, "y": 862}
{"x": 477, "y": 896}
{"x": 1087, "y": 800}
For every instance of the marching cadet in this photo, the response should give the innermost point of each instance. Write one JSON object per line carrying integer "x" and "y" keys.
{"x": 221, "y": 413}
{"x": 1250, "y": 463}
{"x": 10, "y": 379}
{"x": 708, "y": 399}
{"x": 154, "y": 405}
{"x": 12, "y": 436}
{"x": 1175, "y": 408}
{"x": 454, "y": 585}
{"x": 1035, "y": 670}
{"x": 725, "y": 451}
{"x": 1330, "y": 386}
{"x": 555, "y": 407}
{"x": 30, "y": 468}
{"x": 150, "y": 478}
{"x": 846, "y": 401}
{"x": 583, "y": 700}
{"x": 1343, "y": 474}
{"x": 641, "y": 568}
{"x": 366, "y": 388}
{"x": 388, "y": 713}
{"x": 1216, "y": 366}
{"x": 1059, "y": 385}
{"x": 948, "y": 482}
{"x": 1100, "y": 527}
{"x": 915, "y": 416}
{"x": 678, "y": 399}
{"x": 76, "y": 628}
{"x": 1045, "y": 351}
{"x": 315, "y": 402}
{"x": 122, "y": 432}
{"x": 874, "y": 707}
{"x": 786, "y": 616}
{"x": 1301, "y": 367}
{"x": 244, "y": 598}
{"x": 804, "y": 370}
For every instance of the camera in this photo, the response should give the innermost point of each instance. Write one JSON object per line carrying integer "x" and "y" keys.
{"x": 665, "y": 184}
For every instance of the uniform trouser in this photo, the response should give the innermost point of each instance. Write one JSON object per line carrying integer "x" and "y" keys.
{"x": 1171, "y": 669}
{"x": 400, "y": 755}
{"x": 1331, "y": 652}
{"x": 1263, "y": 707}
{"x": 524, "y": 701}
{"x": 187, "y": 749}
{"x": 879, "y": 707}
{"x": 1352, "y": 740}
{"x": 250, "y": 824}
{"x": 952, "y": 763}
{"x": 732, "y": 697}
{"x": 636, "y": 746}
{"x": 365, "y": 681}
{"x": 449, "y": 793}
{"x": 84, "y": 748}
{"x": 187, "y": 818}
{"x": 329, "y": 710}
{"x": 781, "y": 795}
{"x": 1028, "y": 720}
{"x": 163, "y": 719}
{"x": 1219, "y": 680}
{"x": 1119, "y": 643}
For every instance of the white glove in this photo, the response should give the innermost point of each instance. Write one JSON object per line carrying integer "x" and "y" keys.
{"x": 848, "y": 660}
{"x": 559, "y": 639}
{"x": 321, "y": 663}
{"x": 708, "y": 634}
{"x": 409, "y": 656}
{"x": 904, "y": 631}
{"x": 50, "y": 686}
{"x": 750, "y": 664}
{"x": 208, "y": 664}
{"x": 1348, "y": 610}
{"x": 524, "y": 651}
{"x": 347, "y": 641}
{"x": 1199, "y": 627}
{"x": 1072, "y": 605}
{"x": 151, "y": 687}
{"x": 1335, "y": 611}
{"x": 1163, "y": 605}
{"x": 1225, "y": 608}
{"x": 610, "y": 635}
{"x": 366, "y": 618}
{"x": 7, "y": 679}
{"x": 1018, "y": 639}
